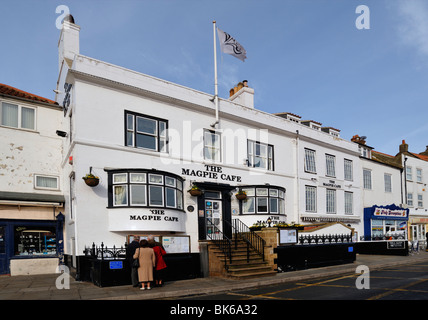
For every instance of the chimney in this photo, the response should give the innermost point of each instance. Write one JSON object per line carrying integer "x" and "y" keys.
{"x": 68, "y": 44}
{"x": 242, "y": 94}
{"x": 404, "y": 147}
{"x": 425, "y": 153}
{"x": 358, "y": 139}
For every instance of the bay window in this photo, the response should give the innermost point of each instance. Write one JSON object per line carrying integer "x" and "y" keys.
{"x": 264, "y": 200}
{"x": 145, "y": 188}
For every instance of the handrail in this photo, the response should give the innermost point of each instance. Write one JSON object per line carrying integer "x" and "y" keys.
{"x": 222, "y": 241}
{"x": 249, "y": 236}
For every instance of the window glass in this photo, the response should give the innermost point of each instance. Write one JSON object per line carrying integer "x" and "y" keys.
{"x": 170, "y": 197}
{"x": 273, "y": 192}
{"x": 211, "y": 145}
{"x": 273, "y": 205}
{"x": 120, "y": 178}
{"x": 46, "y": 182}
{"x": 248, "y": 205}
{"x": 120, "y": 195}
{"x": 9, "y": 115}
{"x": 262, "y": 205}
{"x": 179, "y": 199}
{"x": 138, "y": 195}
{"x": 155, "y": 178}
{"x": 262, "y": 191}
{"x": 156, "y": 196}
{"x": 145, "y": 125}
{"x": 27, "y": 118}
{"x": 147, "y": 142}
{"x": 34, "y": 240}
{"x": 310, "y": 161}
{"x": 249, "y": 191}
{"x": 138, "y": 177}
{"x": 170, "y": 181}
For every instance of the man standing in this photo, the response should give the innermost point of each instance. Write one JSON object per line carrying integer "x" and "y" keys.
{"x": 130, "y": 250}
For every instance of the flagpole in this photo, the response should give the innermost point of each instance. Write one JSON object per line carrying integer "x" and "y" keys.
{"x": 215, "y": 78}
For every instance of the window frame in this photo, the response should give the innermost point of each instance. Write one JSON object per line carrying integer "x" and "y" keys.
{"x": 46, "y": 176}
{"x": 409, "y": 199}
{"x": 331, "y": 204}
{"x": 310, "y": 161}
{"x": 19, "y": 116}
{"x": 409, "y": 173}
{"x": 211, "y": 147}
{"x": 348, "y": 170}
{"x": 387, "y": 184}
{"x": 349, "y": 202}
{"x": 251, "y": 155}
{"x": 330, "y": 165}
{"x": 161, "y": 136}
{"x": 311, "y": 202}
{"x": 367, "y": 179}
{"x": 419, "y": 175}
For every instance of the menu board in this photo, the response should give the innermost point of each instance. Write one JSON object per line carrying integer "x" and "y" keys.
{"x": 287, "y": 236}
{"x": 176, "y": 244}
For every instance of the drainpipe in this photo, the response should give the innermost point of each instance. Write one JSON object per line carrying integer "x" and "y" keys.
{"x": 405, "y": 179}
{"x": 298, "y": 176}
{"x": 215, "y": 79}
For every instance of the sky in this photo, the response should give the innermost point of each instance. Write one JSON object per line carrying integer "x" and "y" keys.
{"x": 362, "y": 72}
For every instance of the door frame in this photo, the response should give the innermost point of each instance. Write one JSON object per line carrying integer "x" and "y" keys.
{"x": 225, "y": 190}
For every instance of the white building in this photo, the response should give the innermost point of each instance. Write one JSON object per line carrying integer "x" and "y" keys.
{"x": 381, "y": 175}
{"x": 31, "y": 185}
{"x": 414, "y": 186}
{"x": 149, "y": 141}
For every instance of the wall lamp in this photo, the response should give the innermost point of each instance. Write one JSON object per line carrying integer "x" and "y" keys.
{"x": 61, "y": 133}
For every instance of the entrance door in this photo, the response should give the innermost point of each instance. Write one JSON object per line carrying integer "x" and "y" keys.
{"x": 213, "y": 215}
{"x": 3, "y": 254}
{"x": 214, "y": 207}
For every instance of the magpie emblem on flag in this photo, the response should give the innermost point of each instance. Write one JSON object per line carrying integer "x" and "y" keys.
{"x": 230, "y": 46}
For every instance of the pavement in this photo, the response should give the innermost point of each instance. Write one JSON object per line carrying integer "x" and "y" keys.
{"x": 44, "y": 287}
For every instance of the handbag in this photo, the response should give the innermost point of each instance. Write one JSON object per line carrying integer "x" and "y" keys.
{"x": 136, "y": 262}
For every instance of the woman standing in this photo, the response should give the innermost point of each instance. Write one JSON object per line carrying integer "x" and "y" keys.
{"x": 160, "y": 262}
{"x": 147, "y": 259}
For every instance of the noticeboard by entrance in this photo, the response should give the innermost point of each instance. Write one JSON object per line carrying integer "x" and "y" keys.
{"x": 288, "y": 236}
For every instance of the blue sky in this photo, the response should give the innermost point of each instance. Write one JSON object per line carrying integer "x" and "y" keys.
{"x": 304, "y": 56}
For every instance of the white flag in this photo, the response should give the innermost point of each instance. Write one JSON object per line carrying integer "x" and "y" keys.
{"x": 231, "y": 46}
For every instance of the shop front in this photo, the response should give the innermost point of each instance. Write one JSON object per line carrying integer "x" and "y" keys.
{"x": 385, "y": 230}
{"x": 30, "y": 246}
{"x": 31, "y": 233}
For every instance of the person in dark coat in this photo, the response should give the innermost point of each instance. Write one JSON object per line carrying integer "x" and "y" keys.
{"x": 130, "y": 251}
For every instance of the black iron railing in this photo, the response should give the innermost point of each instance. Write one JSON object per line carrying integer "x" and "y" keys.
{"x": 253, "y": 240}
{"x": 102, "y": 252}
{"x": 325, "y": 239}
{"x": 221, "y": 241}
{"x": 383, "y": 237}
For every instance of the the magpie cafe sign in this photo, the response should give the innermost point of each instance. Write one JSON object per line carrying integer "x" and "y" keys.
{"x": 156, "y": 215}
{"x": 143, "y": 219}
{"x": 211, "y": 172}
{"x": 330, "y": 183}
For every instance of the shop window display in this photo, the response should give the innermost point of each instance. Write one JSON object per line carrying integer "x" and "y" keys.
{"x": 34, "y": 241}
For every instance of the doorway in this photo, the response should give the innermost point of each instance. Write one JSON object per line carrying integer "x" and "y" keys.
{"x": 4, "y": 261}
{"x": 214, "y": 210}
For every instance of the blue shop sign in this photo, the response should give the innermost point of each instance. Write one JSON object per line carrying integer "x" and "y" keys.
{"x": 114, "y": 265}
{"x": 391, "y": 212}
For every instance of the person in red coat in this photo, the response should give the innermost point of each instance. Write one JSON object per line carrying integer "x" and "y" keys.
{"x": 160, "y": 267}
